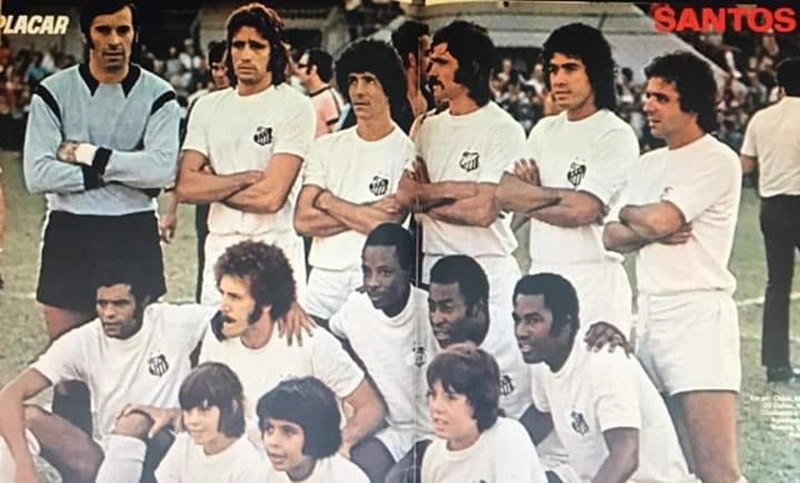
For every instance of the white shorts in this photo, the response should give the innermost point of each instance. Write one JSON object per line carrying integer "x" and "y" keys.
{"x": 328, "y": 290}
{"x": 292, "y": 246}
{"x": 603, "y": 289}
{"x": 690, "y": 342}
{"x": 503, "y": 274}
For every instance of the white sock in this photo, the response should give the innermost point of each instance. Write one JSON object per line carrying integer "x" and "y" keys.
{"x": 124, "y": 458}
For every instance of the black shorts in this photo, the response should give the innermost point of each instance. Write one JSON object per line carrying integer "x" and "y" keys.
{"x": 75, "y": 245}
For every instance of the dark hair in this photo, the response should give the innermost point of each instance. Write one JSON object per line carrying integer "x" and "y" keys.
{"x": 94, "y": 8}
{"x": 323, "y": 61}
{"x": 406, "y": 39}
{"x": 269, "y": 25}
{"x": 466, "y": 369}
{"x": 213, "y": 384}
{"x": 586, "y": 43}
{"x": 394, "y": 235}
{"x": 789, "y": 75}
{"x": 559, "y": 297}
{"x": 311, "y": 405}
{"x": 472, "y": 47}
{"x": 694, "y": 81}
{"x": 380, "y": 59}
{"x": 126, "y": 273}
{"x": 267, "y": 270}
{"x": 216, "y": 51}
{"x": 467, "y": 273}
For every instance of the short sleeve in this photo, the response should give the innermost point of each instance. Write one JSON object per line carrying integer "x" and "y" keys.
{"x": 330, "y": 110}
{"x": 338, "y": 321}
{"x": 615, "y": 392}
{"x": 507, "y": 145}
{"x": 314, "y": 166}
{"x": 65, "y": 359}
{"x": 712, "y": 178}
{"x": 613, "y": 156}
{"x": 333, "y": 366}
{"x": 196, "y": 136}
{"x": 295, "y": 134}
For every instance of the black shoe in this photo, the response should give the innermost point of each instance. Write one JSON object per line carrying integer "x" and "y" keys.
{"x": 781, "y": 374}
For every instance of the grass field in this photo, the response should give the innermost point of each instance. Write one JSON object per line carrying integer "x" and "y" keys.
{"x": 768, "y": 455}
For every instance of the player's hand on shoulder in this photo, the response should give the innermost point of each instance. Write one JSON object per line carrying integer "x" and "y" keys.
{"x": 294, "y": 323}
{"x": 602, "y": 334}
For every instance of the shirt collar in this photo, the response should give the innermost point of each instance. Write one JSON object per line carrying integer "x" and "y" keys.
{"x": 134, "y": 72}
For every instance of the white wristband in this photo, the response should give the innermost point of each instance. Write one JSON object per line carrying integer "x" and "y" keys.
{"x": 84, "y": 153}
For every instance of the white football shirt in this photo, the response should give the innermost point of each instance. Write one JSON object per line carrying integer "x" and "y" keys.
{"x": 239, "y": 133}
{"x": 186, "y": 462}
{"x": 260, "y": 370}
{"x": 704, "y": 180}
{"x": 503, "y": 453}
{"x": 597, "y": 391}
{"x": 475, "y": 147}
{"x": 357, "y": 171}
{"x": 594, "y": 155}
{"x": 147, "y": 368}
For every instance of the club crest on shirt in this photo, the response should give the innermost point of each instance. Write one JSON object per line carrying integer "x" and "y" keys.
{"x": 158, "y": 365}
{"x": 579, "y": 423}
{"x": 469, "y": 161}
{"x": 263, "y": 135}
{"x": 506, "y": 385}
{"x": 665, "y": 193}
{"x": 576, "y": 173}
{"x": 379, "y": 186}
{"x": 419, "y": 354}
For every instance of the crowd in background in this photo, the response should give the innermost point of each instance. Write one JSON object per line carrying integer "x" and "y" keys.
{"x": 518, "y": 84}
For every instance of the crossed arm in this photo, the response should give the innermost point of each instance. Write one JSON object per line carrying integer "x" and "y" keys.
{"x": 250, "y": 191}
{"x": 661, "y": 222}
{"x": 321, "y": 213}
{"x": 54, "y": 164}
{"x": 522, "y": 193}
{"x": 457, "y": 202}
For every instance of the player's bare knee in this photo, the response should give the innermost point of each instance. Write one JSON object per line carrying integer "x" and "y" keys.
{"x": 34, "y": 415}
{"x": 135, "y": 425}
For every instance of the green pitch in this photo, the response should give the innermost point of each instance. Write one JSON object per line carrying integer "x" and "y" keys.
{"x": 768, "y": 455}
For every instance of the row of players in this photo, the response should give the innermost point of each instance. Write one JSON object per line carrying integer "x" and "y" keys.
{"x": 576, "y": 180}
{"x": 135, "y": 359}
